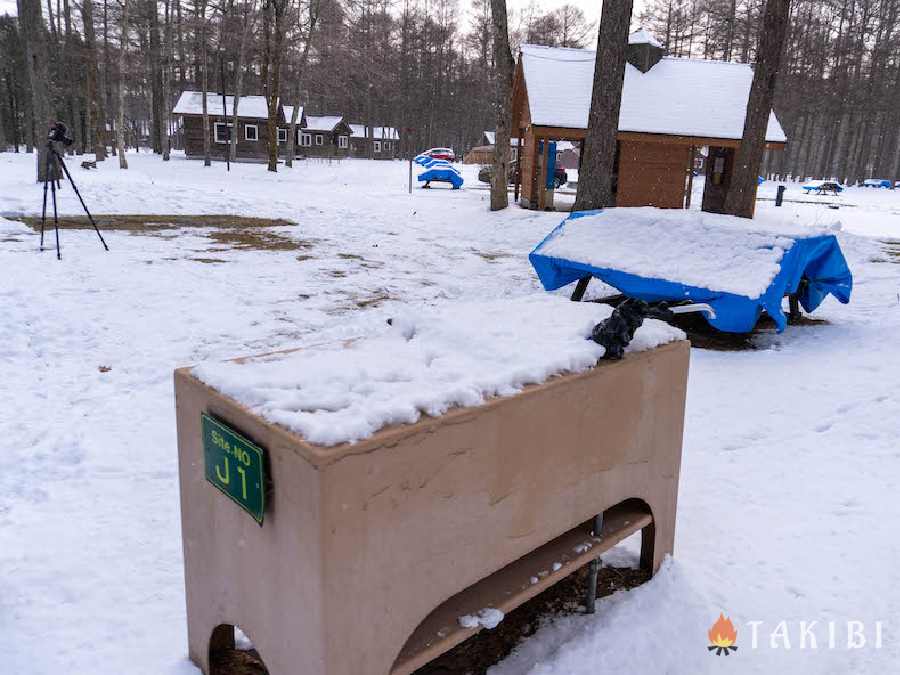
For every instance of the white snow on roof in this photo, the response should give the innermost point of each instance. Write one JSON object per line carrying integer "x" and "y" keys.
{"x": 688, "y": 97}
{"x": 428, "y": 362}
{"x": 643, "y": 37}
{"x": 491, "y": 138}
{"x": 380, "y": 133}
{"x": 714, "y": 251}
{"x": 289, "y": 111}
{"x": 191, "y": 103}
{"x": 322, "y": 122}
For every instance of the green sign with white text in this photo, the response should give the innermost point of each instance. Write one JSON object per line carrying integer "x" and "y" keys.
{"x": 235, "y": 466}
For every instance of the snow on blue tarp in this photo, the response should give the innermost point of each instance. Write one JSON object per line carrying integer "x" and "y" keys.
{"x": 816, "y": 258}
{"x": 442, "y": 174}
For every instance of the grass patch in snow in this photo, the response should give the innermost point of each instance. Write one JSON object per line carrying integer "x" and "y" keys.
{"x": 143, "y": 223}
{"x": 258, "y": 240}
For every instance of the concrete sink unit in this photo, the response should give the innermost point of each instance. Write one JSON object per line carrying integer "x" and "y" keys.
{"x": 370, "y": 553}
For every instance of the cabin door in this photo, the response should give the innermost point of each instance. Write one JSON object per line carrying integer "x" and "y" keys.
{"x": 719, "y": 167}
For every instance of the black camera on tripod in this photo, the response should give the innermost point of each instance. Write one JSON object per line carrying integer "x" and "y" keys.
{"x": 59, "y": 133}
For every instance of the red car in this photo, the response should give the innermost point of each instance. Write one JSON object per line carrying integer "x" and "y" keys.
{"x": 441, "y": 153}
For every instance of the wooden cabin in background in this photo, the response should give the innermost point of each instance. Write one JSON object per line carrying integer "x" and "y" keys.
{"x": 670, "y": 107}
{"x": 253, "y": 125}
{"x": 325, "y": 136}
{"x": 384, "y": 141}
{"x": 484, "y": 153}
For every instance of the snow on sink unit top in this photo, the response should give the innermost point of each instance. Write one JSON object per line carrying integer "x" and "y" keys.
{"x": 708, "y": 250}
{"x": 689, "y": 97}
{"x": 428, "y": 362}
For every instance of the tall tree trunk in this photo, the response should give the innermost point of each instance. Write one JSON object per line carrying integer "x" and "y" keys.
{"x": 595, "y": 180}
{"x": 95, "y": 98}
{"x": 34, "y": 37}
{"x": 164, "y": 141}
{"x": 741, "y": 197}
{"x": 207, "y": 150}
{"x": 502, "y": 94}
{"x": 156, "y": 85}
{"x": 107, "y": 90}
{"x": 313, "y": 19}
{"x": 120, "y": 110}
{"x": 274, "y": 44}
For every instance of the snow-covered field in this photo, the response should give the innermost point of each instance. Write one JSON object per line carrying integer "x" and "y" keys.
{"x": 787, "y": 510}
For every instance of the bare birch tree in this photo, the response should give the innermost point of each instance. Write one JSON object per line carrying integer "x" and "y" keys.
{"x": 248, "y": 23}
{"x": 311, "y": 21}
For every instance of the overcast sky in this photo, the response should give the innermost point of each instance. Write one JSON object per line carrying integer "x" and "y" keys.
{"x": 591, "y": 7}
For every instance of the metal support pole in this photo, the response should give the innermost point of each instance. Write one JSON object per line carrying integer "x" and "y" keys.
{"x": 410, "y": 171}
{"x": 779, "y": 198}
{"x": 590, "y": 598}
{"x": 55, "y": 215}
{"x": 78, "y": 194}
{"x": 580, "y": 288}
{"x": 794, "y": 304}
{"x": 44, "y": 208}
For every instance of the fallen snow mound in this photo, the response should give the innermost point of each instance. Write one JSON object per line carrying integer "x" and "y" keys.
{"x": 708, "y": 250}
{"x": 426, "y": 362}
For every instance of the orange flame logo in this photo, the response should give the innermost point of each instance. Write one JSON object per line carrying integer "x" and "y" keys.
{"x": 722, "y": 636}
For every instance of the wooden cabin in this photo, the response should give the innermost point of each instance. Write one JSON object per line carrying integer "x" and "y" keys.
{"x": 484, "y": 153}
{"x": 384, "y": 141}
{"x": 670, "y": 107}
{"x": 325, "y": 136}
{"x": 252, "y": 131}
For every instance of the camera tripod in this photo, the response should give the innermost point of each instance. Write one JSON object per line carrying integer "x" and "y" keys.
{"x": 52, "y": 180}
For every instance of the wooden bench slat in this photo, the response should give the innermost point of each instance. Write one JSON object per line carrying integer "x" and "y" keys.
{"x": 511, "y": 586}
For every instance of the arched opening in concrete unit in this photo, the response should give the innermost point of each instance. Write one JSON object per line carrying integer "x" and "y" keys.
{"x": 520, "y": 581}
{"x": 231, "y": 652}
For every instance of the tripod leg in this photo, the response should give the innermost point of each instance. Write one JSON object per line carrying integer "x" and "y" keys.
{"x": 83, "y": 205}
{"x": 55, "y": 219}
{"x": 44, "y": 208}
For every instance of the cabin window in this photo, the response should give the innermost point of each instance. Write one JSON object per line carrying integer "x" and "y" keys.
{"x": 220, "y": 131}
{"x": 251, "y": 132}
{"x": 386, "y": 145}
{"x": 305, "y": 140}
{"x": 319, "y": 139}
{"x": 282, "y": 135}
{"x": 377, "y": 146}
{"x": 343, "y": 141}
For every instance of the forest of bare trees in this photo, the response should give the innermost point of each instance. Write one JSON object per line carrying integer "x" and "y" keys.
{"x": 424, "y": 65}
{"x": 116, "y": 67}
{"x": 838, "y": 94}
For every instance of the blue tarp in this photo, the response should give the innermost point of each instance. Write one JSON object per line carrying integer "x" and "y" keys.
{"x": 438, "y": 170}
{"x": 442, "y": 175}
{"x": 818, "y": 259}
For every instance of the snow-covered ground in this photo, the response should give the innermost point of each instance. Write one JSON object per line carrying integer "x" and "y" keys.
{"x": 787, "y": 510}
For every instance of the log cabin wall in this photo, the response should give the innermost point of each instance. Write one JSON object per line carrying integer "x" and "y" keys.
{"x": 251, "y": 151}
{"x": 386, "y": 149}
{"x": 330, "y": 145}
{"x": 651, "y": 174}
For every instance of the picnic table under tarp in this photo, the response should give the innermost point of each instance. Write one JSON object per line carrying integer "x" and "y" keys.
{"x": 739, "y": 267}
{"x": 438, "y": 170}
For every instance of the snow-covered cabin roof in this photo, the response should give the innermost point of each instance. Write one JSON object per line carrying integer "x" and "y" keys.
{"x": 643, "y": 37}
{"x": 685, "y": 97}
{"x": 322, "y": 122}
{"x": 379, "y": 133}
{"x": 289, "y": 111}
{"x": 191, "y": 103}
